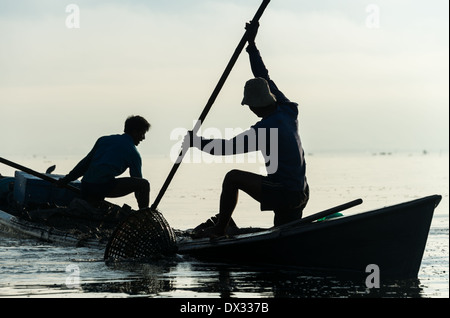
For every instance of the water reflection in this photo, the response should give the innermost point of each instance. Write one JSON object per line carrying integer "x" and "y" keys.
{"x": 140, "y": 279}
{"x": 190, "y": 278}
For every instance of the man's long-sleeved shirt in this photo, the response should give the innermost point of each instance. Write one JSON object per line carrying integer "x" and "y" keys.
{"x": 276, "y": 136}
{"x": 109, "y": 158}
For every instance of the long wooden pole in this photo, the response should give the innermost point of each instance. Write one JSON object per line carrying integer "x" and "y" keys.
{"x": 211, "y": 101}
{"x": 323, "y": 214}
{"x": 37, "y": 174}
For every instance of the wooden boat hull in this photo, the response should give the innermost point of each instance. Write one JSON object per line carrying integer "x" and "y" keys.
{"x": 45, "y": 233}
{"x": 393, "y": 238}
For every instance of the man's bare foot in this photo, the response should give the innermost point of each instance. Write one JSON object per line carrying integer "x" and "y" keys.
{"x": 211, "y": 232}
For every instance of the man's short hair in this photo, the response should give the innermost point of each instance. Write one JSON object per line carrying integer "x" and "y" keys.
{"x": 136, "y": 123}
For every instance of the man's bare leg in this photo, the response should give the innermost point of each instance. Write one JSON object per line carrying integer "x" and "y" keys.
{"x": 234, "y": 181}
{"x": 140, "y": 188}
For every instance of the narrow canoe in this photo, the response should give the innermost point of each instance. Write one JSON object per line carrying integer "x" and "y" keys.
{"x": 393, "y": 238}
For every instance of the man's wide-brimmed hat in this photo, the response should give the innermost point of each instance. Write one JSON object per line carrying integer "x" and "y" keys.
{"x": 257, "y": 93}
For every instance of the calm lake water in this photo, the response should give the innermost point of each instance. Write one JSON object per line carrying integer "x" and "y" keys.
{"x": 36, "y": 269}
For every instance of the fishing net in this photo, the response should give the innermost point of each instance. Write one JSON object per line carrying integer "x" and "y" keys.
{"x": 145, "y": 234}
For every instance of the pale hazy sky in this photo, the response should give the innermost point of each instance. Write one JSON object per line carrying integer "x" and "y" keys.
{"x": 367, "y": 77}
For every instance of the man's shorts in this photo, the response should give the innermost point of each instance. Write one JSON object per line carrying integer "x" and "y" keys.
{"x": 97, "y": 191}
{"x": 287, "y": 205}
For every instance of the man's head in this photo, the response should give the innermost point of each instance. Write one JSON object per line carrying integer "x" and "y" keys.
{"x": 136, "y": 127}
{"x": 257, "y": 94}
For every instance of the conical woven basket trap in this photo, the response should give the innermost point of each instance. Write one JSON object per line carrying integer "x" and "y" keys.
{"x": 144, "y": 234}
